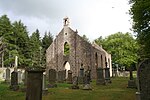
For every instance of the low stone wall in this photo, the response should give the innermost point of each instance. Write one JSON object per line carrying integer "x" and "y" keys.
{"x": 3, "y": 73}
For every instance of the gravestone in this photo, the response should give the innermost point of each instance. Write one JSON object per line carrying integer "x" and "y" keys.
{"x": 69, "y": 79}
{"x": 14, "y": 81}
{"x": 52, "y": 78}
{"x": 143, "y": 76}
{"x": 19, "y": 77}
{"x": 63, "y": 75}
{"x": 75, "y": 83}
{"x": 7, "y": 80}
{"x": 24, "y": 81}
{"x": 87, "y": 85}
{"x": 60, "y": 77}
{"x": 34, "y": 84}
{"x": 100, "y": 77}
{"x": 81, "y": 76}
{"x": 107, "y": 75}
{"x": 44, "y": 88}
{"x": 131, "y": 81}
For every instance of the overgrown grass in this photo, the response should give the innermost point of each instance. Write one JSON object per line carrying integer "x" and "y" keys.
{"x": 117, "y": 90}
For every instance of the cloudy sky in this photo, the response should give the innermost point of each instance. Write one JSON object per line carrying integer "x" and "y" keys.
{"x": 93, "y": 18}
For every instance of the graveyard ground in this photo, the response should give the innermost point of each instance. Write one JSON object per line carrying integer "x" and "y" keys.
{"x": 117, "y": 90}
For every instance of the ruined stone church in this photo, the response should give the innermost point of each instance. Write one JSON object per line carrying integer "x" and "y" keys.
{"x": 69, "y": 51}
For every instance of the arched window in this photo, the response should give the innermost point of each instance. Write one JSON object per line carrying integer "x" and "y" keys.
{"x": 66, "y": 48}
{"x": 101, "y": 61}
{"x": 96, "y": 60}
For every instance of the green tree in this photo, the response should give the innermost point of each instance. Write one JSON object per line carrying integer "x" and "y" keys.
{"x": 22, "y": 42}
{"x": 35, "y": 48}
{"x": 85, "y": 38}
{"x": 99, "y": 41}
{"x": 122, "y": 47}
{"x": 47, "y": 40}
{"x": 140, "y": 12}
{"x": 8, "y": 39}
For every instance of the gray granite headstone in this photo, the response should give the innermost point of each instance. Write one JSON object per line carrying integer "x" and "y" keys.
{"x": 81, "y": 76}
{"x": 87, "y": 85}
{"x": 107, "y": 75}
{"x": 100, "y": 77}
{"x": 75, "y": 83}
{"x": 44, "y": 87}
{"x": 52, "y": 78}
{"x": 7, "y": 80}
{"x": 34, "y": 84}
{"x": 14, "y": 81}
{"x": 69, "y": 80}
{"x": 60, "y": 77}
{"x": 143, "y": 75}
{"x": 19, "y": 77}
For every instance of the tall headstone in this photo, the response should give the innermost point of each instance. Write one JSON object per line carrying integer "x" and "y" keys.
{"x": 14, "y": 81}
{"x": 7, "y": 80}
{"x": 34, "y": 84}
{"x": 87, "y": 79}
{"x": 63, "y": 75}
{"x": 143, "y": 76}
{"x": 81, "y": 76}
{"x": 75, "y": 83}
{"x": 44, "y": 88}
{"x": 52, "y": 78}
{"x": 19, "y": 77}
{"x": 107, "y": 75}
{"x": 100, "y": 77}
{"x": 69, "y": 80}
{"x": 60, "y": 77}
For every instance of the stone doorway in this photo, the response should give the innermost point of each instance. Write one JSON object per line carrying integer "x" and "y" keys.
{"x": 66, "y": 67}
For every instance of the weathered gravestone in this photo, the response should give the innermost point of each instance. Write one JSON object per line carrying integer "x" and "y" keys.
{"x": 19, "y": 77}
{"x": 60, "y": 77}
{"x": 52, "y": 78}
{"x": 7, "y": 80}
{"x": 34, "y": 84}
{"x": 14, "y": 81}
{"x": 75, "y": 83}
{"x": 81, "y": 76}
{"x": 107, "y": 75}
{"x": 63, "y": 75}
{"x": 100, "y": 77}
{"x": 131, "y": 81}
{"x": 44, "y": 88}
{"x": 87, "y": 79}
{"x": 69, "y": 79}
{"x": 143, "y": 75}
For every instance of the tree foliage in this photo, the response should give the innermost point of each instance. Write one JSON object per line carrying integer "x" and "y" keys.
{"x": 140, "y": 12}
{"x": 86, "y": 38}
{"x": 122, "y": 47}
{"x": 14, "y": 37}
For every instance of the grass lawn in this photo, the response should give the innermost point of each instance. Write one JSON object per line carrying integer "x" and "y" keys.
{"x": 117, "y": 90}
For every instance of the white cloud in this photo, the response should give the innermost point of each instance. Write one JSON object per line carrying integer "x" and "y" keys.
{"x": 93, "y": 18}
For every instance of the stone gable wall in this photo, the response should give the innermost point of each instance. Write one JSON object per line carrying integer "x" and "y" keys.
{"x": 81, "y": 52}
